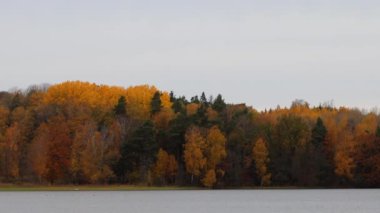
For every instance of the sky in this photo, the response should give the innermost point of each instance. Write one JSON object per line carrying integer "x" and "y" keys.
{"x": 260, "y": 52}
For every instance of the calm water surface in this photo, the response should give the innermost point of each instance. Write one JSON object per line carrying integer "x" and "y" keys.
{"x": 220, "y": 201}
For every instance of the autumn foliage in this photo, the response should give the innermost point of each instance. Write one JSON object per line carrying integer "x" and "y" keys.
{"x": 83, "y": 133}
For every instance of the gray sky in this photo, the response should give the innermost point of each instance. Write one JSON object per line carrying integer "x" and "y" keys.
{"x": 261, "y": 52}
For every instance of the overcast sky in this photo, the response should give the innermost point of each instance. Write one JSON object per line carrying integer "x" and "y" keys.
{"x": 261, "y": 52}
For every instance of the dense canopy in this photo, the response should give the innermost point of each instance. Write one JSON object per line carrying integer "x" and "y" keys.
{"x": 83, "y": 133}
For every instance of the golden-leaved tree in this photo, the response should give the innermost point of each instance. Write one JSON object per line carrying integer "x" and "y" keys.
{"x": 215, "y": 152}
{"x": 139, "y": 101}
{"x": 166, "y": 167}
{"x": 195, "y": 160}
{"x": 261, "y": 158}
{"x": 344, "y": 162}
{"x": 101, "y": 152}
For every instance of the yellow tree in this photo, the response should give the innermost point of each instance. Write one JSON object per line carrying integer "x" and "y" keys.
{"x": 83, "y": 135}
{"x": 191, "y": 109}
{"x": 210, "y": 178}
{"x": 215, "y": 148}
{"x": 261, "y": 158}
{"x": 100, "y": 153}
{"x": 165, "y": 167}
{"x": 344, "y": 162}
{"x": 162, "y": 119}
{"x": 344, "y": 165}
{"x": 78, "y": 93}
{"x": 139, "y": 101}
{"x": 161, "y": 163}
{"x": 94, "y": 163}
{"x": 193, "y": 152}
{"x": 215, "y": 152}
{"x": 367, "y": 125}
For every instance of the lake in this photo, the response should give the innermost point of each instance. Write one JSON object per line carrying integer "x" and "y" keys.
{"x": 195, "y": 201}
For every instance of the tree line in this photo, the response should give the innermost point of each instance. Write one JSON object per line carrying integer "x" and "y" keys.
{"x": 82, "y": 133}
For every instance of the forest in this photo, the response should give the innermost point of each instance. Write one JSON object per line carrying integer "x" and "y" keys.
{"x": 83, "y": 133}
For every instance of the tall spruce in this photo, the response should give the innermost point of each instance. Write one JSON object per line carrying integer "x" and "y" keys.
{"x": 318, "y": 134}
{"x": 156, "y": 104}
{"x": 219, "y": 105}
{"x": 120, "y": 107}
{"x": 323, "y": 171}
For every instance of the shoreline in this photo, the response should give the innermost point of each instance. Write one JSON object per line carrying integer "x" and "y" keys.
{"x": 11, "y": 187}
{"x": 41, "y": 188}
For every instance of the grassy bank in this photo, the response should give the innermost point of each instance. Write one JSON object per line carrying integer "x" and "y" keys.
{"x": 90, "y": 188}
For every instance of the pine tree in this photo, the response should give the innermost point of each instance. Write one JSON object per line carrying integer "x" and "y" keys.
{"x": 156, "y": 104}
{"x": 318, "y": 133}
{"x": 219, "y": 105}
{"x": 195, "y": 99}
{"x": 322, "y": 168}
{"x": 378, "y": 131}
{"x": 120, "y": 107}
{"x": 140, "y": 151}
{"x": 204, "y": 99}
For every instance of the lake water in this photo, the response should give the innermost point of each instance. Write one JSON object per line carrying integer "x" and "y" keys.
{"x": 220, "y": 201}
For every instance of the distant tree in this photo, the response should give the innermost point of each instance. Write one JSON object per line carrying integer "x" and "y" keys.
{"x": 166, "y": 167}
{"x": 237, "y": 145}
{"x": 299, "y": 103}
{"x": 215, "y": 147}
{"x": 195, "y": 99}
{"x": 191, "y": 109}
{"x": 344, "y": 165}
{"x": 318, "y": 134}
{"x": 215, "y": 153}
{"x": 378, "y": 131}
{"x": 179, "y": 105}
{"x": 16, "y": 101}
{"x": 289, "y": 150}
{"x": 172, "y": 96}
{"x": 139, "y": 152}
{"x": 367, "y": 157}
{"x": 11, "y": 155}
{"x": 193, "y": 152}
{"x": 219, "y": 105}
{"x": 204, "y": 99}
{"x": 38, "y": 152}
{"x": 261, "y": 158}
{"x": 322, "y": 163}
{"x": 59, "y": 150}
{"x": 156, "y": 104}
{"x": 96, "y": 159}
{"x": 120, "y": 107}
{"x": 210, "y": 178}
{"x": 4, "y": 120}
